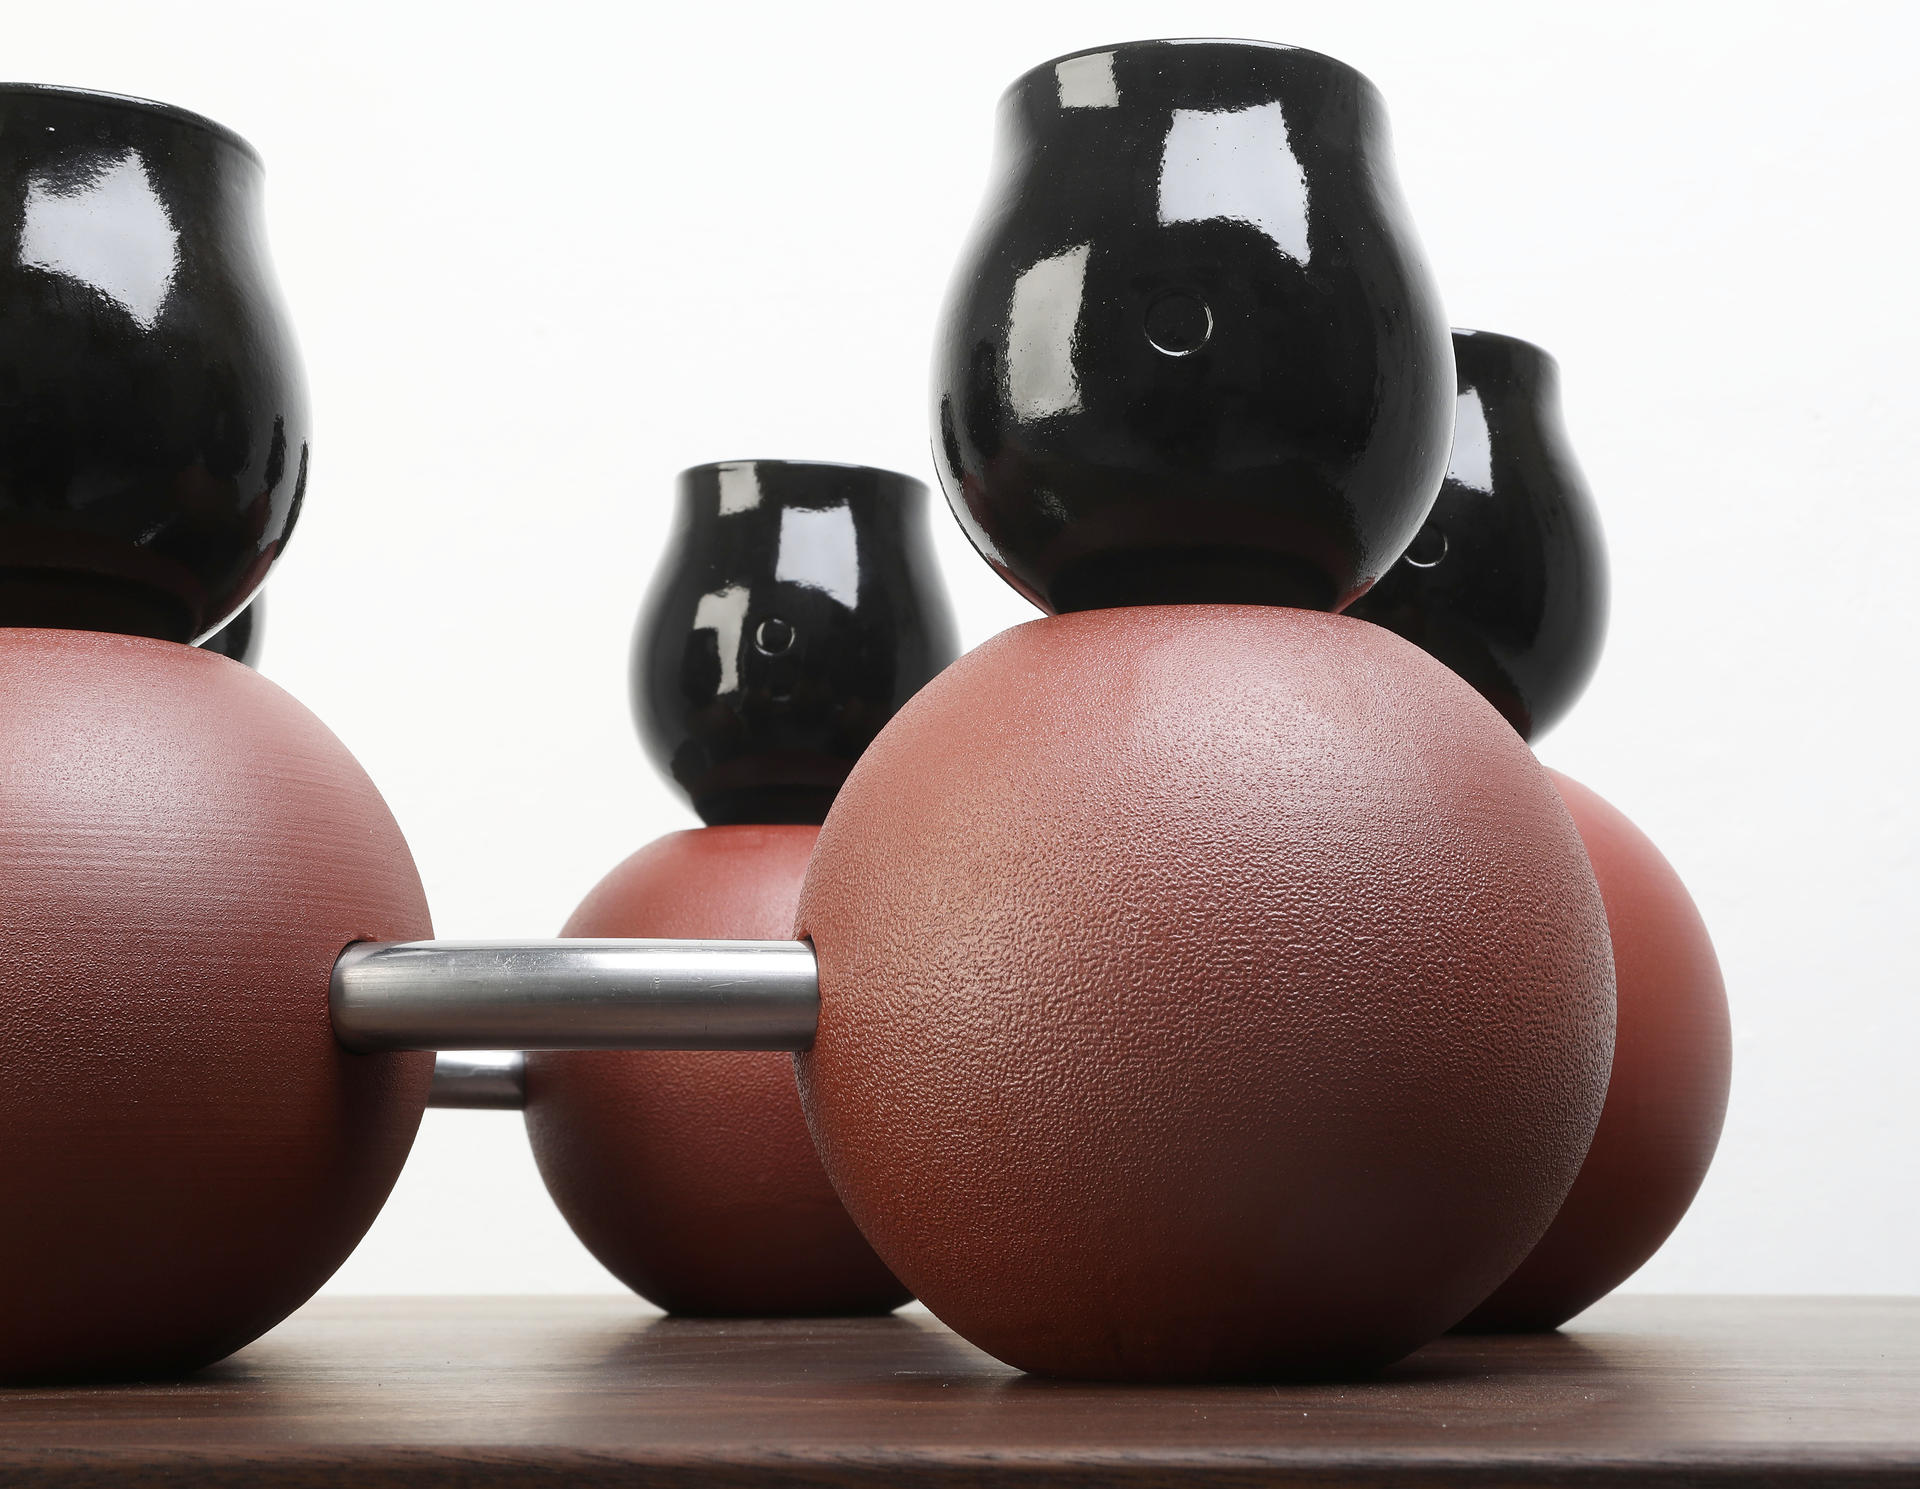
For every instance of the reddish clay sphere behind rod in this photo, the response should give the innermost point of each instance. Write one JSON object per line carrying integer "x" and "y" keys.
{"x": 690, "y": 1175}
{"x": 1672, "y": 1063}
{"x": 1206, "y": 991}
{"x": 186, "y": 1152}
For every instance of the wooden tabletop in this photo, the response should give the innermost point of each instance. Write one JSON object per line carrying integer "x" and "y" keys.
{"x": 590, "y": 1391}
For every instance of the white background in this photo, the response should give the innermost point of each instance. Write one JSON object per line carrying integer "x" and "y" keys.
{"x": 543, "y": 256}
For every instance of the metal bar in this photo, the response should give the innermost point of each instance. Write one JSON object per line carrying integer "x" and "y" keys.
{"x": 480, "y": 1083}
{"x": 576, "y": 995}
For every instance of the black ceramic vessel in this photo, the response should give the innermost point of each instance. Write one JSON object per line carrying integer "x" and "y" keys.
{"x": 153, "y": 416}
{"x": 797, "y": 607}
{"x": 1507, "y": 581}
{"x": 1193, "y": 351}
{"x": 242, "y": 637}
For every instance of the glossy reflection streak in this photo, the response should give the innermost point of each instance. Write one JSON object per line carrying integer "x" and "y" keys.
{"x": 798, "y": 606}
{"x": 153, "y": 415}
{"x": 1507, "y": 581}
{"x": 1193, "y": 351}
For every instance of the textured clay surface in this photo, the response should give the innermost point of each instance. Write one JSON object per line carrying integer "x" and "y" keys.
{"x": 1672, "y": 1063}
{"x": 1207, "y": 991}
{"x": 690, "y": 1175}
{"x": 186, "y": 1153}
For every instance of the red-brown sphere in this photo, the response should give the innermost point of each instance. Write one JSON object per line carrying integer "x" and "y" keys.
{"x": 1206, "y": 991}
{"x": 186, "y": 1152}
{"x": 1666, "y": 1099}
{"x": 690, "y": 1175}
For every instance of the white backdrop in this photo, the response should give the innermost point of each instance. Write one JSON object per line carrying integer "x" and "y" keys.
{"x": 543, "y": 256}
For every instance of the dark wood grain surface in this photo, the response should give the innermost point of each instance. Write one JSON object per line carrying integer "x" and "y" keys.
{"x": 590, "y": 1391}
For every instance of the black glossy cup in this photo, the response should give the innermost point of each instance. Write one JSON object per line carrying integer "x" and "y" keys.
{"x": 1507, "y": 581}
{"x": 153, "y": 414}
{"x": 797, "y": 607}
{"x": 1192, "y": 351}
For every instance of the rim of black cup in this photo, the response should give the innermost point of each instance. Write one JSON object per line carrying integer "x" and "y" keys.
{"x": 126, "y": 101}
{"x": 790, "y": 464}
{"x": 1519, "y": 344}
{"x": 1187, "y": 41}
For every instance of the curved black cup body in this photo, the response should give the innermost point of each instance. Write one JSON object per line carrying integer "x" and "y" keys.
{"x": 797, "y": 607}
{"x": 153, "y": 414}
{"x": 242, "y": 637}
{"x": 1193, "y": 351}
{"x": 1507, "y": 581}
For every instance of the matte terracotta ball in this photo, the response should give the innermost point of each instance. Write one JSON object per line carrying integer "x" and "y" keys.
{"x": 690, "y": 1175}
{"x": 1672, "y": 1063}
{"x": 1206, "y": 992}
{"x": 186, "y": 1152}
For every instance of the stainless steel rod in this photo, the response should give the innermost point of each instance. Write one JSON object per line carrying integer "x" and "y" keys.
{"x": 576, "y": 995}
{"x": 479, "y": 1083}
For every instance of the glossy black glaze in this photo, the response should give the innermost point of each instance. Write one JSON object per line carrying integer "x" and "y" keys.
{"x": 153, "y": 415}
{"x": 242, "y": 637}
{"x": 798, "y": 605}
{"x": 1193, "y": 350}
{"x": 1507, "y": 581}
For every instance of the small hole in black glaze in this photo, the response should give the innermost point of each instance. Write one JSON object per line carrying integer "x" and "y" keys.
{"x": 1429, "y": 546}
{"x": 773, "y": 637}
{"x": 1178, "y": 323}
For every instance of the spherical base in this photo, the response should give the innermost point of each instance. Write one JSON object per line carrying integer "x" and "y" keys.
{"x": 690, "y": 1175}
{"x": 1666, "y": 1098}
{"x": 1206, "y": 992}
{"x": 186, "y": 1152}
